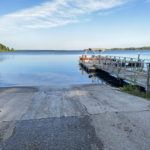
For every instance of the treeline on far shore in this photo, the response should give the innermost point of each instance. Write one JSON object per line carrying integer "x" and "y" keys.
{"x": 127, "y": 48}
{"x": 4, "y": 48}
{"x": 132, "y": 48}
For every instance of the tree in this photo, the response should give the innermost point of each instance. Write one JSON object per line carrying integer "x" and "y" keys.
{"x": 4, "y": 48}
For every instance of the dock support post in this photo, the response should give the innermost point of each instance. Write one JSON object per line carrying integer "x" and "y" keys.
{"x": 148, "y": 78}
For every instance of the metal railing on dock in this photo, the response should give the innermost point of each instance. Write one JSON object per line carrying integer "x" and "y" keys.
{"x": 135, "y": 71}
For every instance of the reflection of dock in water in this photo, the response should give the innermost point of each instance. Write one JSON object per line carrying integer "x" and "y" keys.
{"x": 93, "y": 76}
{"x": 134, "y": 71}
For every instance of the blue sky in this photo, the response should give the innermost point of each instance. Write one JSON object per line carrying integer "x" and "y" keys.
{"x": 74, "y": 24}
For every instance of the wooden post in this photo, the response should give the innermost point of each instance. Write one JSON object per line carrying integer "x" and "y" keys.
{"x": 118, "y": 68}
{"x": 139, "y": 57}
{"x": 105, "y": 63}
{"x": 148, "y": 78}
{"x": 124, "y": 63}
{"x": 99, "y": 59}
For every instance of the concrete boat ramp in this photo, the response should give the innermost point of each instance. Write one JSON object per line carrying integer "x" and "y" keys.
{"x": 83, "y": 117}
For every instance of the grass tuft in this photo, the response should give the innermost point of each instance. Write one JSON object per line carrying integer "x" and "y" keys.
{"x": 134, "y": 90}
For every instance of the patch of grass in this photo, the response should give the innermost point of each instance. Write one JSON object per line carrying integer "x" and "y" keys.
{"x": 134, "y": 90}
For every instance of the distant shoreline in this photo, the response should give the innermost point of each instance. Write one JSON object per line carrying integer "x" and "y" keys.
{"x": 70, "y": 51}
{"x": 131, "y": 48}
{"x": 109, "y": 49}
{"x": 78, "y": 51}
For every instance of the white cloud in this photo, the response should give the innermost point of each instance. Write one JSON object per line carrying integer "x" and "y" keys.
{"x": 55, "y": 13}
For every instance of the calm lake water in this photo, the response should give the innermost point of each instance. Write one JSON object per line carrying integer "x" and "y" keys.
{"x": 49, "y": 68}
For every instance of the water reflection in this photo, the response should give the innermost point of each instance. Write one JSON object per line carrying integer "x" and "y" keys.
{"x": 102, "y": 78}
{"x": 4, "y": 57}
{"x": 44, "y": 69}
{"x": 93, "y": 76}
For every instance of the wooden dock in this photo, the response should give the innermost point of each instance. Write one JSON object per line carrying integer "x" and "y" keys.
{"x": 134, "y": 71}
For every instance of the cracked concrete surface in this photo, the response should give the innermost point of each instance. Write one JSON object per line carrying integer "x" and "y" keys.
{"x": 83, "y": 117}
